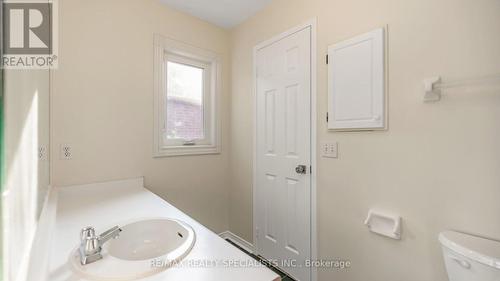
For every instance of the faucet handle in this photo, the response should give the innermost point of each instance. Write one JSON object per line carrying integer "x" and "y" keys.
{"x": 87, "y": 232}
{"x": 91, "y": 245}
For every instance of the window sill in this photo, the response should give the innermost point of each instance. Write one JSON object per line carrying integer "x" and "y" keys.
{"x": 170, "y": 151}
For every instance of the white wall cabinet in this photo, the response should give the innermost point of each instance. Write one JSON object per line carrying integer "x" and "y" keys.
{"x": 356, "y": 83}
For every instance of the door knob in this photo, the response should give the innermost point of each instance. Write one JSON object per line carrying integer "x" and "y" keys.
{"x": 301, "y": 169}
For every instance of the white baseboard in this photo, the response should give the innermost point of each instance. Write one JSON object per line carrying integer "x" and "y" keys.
{"x": 237, "y": 240}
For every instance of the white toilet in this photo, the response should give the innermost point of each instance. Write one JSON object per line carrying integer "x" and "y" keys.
{"x": 470, "y": 258}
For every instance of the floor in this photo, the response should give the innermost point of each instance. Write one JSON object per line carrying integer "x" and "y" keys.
{"x": 284, "y": 276}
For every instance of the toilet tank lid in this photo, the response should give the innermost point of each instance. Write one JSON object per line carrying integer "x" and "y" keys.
{"x": 482, "y": 250}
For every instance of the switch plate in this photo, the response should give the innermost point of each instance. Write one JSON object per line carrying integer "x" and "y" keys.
{"x": 329, "y": 150}
{"x": 66, "y": 152}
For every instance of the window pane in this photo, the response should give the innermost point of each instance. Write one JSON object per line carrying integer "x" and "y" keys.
{"x": 184, "y": 102}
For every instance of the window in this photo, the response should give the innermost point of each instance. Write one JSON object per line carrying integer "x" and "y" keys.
{"x": 186, "y": 90}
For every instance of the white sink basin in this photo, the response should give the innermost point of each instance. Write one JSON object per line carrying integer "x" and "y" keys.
{"x": 144, "y": 248}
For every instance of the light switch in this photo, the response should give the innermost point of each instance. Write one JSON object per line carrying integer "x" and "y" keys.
{"x": 329, "y": 150}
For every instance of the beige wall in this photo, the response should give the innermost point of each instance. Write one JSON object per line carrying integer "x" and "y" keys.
{"x": 103, "y": 103}
{"x": 437, "y": 165}
{"x": 26, "y": 121}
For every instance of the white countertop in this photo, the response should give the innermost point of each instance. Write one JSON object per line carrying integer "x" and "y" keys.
{"x": 104, "y": 205}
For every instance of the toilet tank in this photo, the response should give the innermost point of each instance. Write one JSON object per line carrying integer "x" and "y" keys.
{"x": 470, "y": 258}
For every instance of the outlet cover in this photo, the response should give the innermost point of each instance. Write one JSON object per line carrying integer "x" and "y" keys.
{"x": 42, "y": 153}
{"x": 66, "y": 152}
{"x": 329, "y": 150}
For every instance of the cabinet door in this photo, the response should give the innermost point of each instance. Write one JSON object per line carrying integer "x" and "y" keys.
{"x": 356, "y": 83}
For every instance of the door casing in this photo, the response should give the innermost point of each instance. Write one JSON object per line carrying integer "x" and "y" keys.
{"x": 312, "y": 24}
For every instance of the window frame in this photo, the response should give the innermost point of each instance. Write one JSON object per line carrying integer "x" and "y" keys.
{"x": 178, "y": 52}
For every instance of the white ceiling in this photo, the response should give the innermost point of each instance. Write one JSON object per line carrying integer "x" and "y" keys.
{"x": 224, "y": 13}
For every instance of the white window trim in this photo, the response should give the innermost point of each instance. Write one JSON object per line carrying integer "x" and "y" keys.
{"x": 164, "y": 47}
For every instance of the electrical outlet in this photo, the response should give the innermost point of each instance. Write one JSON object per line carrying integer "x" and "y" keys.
{"x": 329, "y": 150}
{"x": 66, "y": 152}
{"x": 42, "y": 153}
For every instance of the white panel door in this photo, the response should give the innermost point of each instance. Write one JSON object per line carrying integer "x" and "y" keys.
{"x": 356, "y": 76}
{"x": 283, "y": 181}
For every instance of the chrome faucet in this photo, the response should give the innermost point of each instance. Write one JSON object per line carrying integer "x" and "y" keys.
{"x": 91, "y": 245}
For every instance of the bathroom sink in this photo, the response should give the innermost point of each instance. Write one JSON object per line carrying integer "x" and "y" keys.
{"x": 144, "y": 248}
{"x": 145, "y": 240}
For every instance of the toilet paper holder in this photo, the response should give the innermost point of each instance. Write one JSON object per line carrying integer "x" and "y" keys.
{"x": 384, "y": 223}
